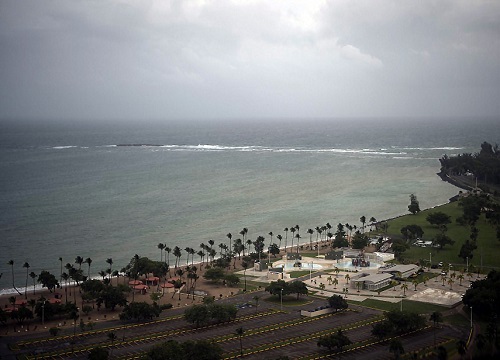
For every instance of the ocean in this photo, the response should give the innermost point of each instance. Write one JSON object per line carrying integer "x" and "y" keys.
{"x": 70, "y": 189}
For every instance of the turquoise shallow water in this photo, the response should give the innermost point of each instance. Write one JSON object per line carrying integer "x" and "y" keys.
{"x": 68, "y": 190}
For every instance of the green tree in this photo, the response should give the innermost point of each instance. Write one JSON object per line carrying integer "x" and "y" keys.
{"x": 139, "y": 311}
{"x": 240, "y": 332}
{"x": 382, "y": 329}
{"x": 442, "y": 240}
{"x": 414, "y": 206}
{"x": 438, "y": 218}
{"x": 297, "y": 287}
{"x": 112, "y": 337}
{"x": 396, "y": 348}
{"x": 411, "y": 232}
{"x": 11, "y": 263}
{"x": 362, "y": 219}
{"x": 48, "y": 280}
{"x": 359, "y": 241}
{"x": 214, "y": 274}
{"x": 98, "y": 353}
{"x": 334, "y": 341}
{"x": 112, "y": 297}
{"x": 337, "y": 302}
{"x": 198, "y": 315}
{"x": 27, "y": 266}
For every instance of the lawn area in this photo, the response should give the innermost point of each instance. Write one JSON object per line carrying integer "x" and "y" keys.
{"x": 486, "y": 252}
{"x": 408, "y": 305}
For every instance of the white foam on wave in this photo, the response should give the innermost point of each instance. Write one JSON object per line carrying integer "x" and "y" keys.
{"x": 259, "y": 148}
{"x": 433, "y": 148}
{"x": 64, "y": 147}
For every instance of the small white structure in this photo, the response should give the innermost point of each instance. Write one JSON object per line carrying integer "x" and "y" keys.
{"x": 371, "y": 281}
{"x": 400, "y": 270}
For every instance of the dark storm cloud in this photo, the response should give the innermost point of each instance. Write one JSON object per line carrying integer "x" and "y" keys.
{"x": 171, "y": 59}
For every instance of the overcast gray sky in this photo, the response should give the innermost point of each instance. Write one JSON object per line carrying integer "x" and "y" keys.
{"x": 242, "y": 59}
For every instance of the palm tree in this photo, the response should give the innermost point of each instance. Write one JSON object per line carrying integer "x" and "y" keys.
{"x": 297, "y": 236}
{"x": 244, "y": 264}
{"x": 188, "y": 251}
{"x": 310, "y": 232}
{"x": 460, "y": 277}
{"x": 292, "y": 229}
{"x": 79, "y": 261}
{"x": 161, "y": 246}
{"x": 425, "y": 279}
{"x": 271, "y": 235}
{"x": 362, "y": 219}
{"x": 192, "y": 252}
{"x": 33, "y": 277}
{"x": 335, "y": 282}
{"x": 65, "y": 277}
{"x": 347, "y": 278}
{"x": 27, "y": 266}
{"x": 178, "y": 253}
{"x": 436, "y": 317}
{"x": 404, "y": 287}
{"x": 11, "y": 263}
{"x": 415, "y": 283}
{"x": 110, "y": 262}
{"x": 88, "y": 261}
{"x": 322, "y": 287}
{"x": 286, "y": 237}
{"x": 450, "y": 282}
{"x": 279, "y": 237}
{"x": 239, "y": 332}
{"x": 60, "y": 274}
{"x": 112, "y": 337}
{"x": 394, "y": 283}
{"x": 168, "y": 250}
{"x": 243, "y": 233}
{"x": 229, "y": 236}
{"x": 372, "y": 222}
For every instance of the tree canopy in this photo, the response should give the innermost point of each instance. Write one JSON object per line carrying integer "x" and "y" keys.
{"x": 188, "y": 350}
{"x": 337, "y": 302}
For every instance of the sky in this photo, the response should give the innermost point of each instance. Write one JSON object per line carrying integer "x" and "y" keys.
{"x": 180, "y": 59}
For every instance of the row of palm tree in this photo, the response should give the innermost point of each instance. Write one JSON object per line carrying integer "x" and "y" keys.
{"x": 236, "y": 246}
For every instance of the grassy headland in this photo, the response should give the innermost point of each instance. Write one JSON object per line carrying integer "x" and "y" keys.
{"x": 487, "y": 244}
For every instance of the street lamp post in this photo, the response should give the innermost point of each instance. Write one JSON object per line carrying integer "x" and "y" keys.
{"x": 281, "y": 300}
{"x": 430, "y": 260}
{"x": 471, "y": 317}
{"x": 43, "y": 312}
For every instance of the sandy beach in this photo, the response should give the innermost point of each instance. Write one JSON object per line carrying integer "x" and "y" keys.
{"x": 96, "y": 316}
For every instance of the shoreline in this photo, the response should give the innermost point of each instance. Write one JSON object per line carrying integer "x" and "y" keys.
{"x": 7, "y": 292}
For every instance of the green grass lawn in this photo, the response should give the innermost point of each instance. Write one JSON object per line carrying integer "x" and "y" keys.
{"x": 408, "y": 305}
{"x": 487, "y": 249}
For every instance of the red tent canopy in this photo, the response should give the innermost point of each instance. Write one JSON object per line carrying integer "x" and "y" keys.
{"x": 167, "y": 285}
{"x": 135, "y": 282}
